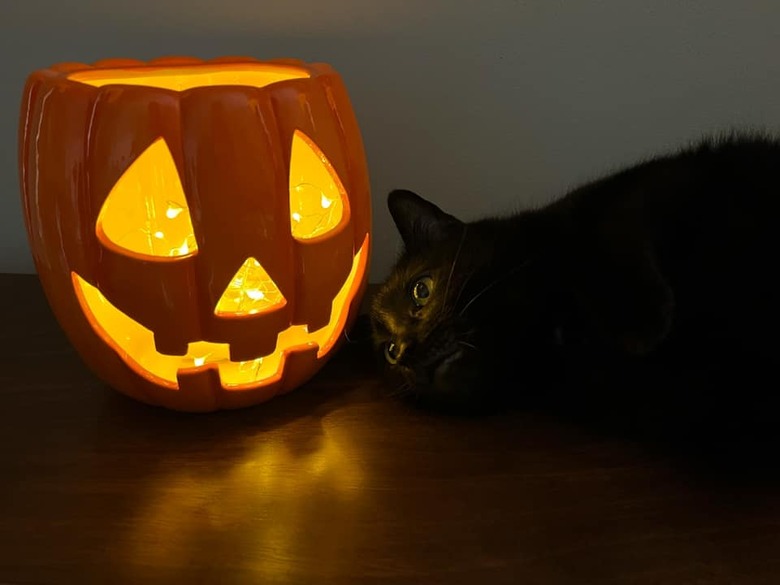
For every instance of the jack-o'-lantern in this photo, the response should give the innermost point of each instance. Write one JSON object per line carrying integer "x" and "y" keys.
{"x": 200, "y": 228}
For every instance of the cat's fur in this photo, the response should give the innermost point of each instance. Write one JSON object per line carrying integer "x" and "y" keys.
{"x": 670, "y": 262}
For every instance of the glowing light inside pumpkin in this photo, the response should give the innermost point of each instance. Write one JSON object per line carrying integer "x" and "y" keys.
{"x": 250, "y": 291}
{"x": 134, "y": 343}
{"x": 183, "y": 77}
{"x": 146, "y": 213}
{"x": 318, "y": 201}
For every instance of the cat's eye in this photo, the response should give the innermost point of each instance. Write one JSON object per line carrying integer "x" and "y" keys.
{"x": 421, "y": 291}
{"x": 392, "y": 352}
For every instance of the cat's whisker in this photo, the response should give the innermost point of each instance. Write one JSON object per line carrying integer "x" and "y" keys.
{"x": 350, "y": 340}
{"x": 479, "y": 294}
{"x": 462, "y": 288}
{"x": 400, "y": 391}
{"x": 403, "y": 389}
{"x": 452, "y": 266}
{"x": 467, "y": 344}
{"x": 490, "y": 286}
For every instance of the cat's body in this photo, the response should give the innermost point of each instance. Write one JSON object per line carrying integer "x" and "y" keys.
{"x": 668, "y": 263}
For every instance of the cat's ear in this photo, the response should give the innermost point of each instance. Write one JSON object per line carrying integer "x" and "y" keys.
{"x": 420, "y": 222}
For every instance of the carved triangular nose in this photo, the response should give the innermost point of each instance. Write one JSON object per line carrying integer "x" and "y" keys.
{"x": 250, "y": 291}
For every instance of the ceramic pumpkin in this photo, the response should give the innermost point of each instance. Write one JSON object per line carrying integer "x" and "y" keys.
{"x": 200, "y": 228}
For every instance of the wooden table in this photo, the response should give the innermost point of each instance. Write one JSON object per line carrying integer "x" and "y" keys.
{"x": 335, "y": 484}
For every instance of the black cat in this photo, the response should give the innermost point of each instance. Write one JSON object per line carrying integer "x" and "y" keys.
{"x": 667, "y": 266}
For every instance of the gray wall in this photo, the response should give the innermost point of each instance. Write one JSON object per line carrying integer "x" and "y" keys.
{"x": 483, "y": 106}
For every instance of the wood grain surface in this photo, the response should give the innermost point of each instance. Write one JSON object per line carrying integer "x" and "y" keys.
{"x": 334, "y": 483}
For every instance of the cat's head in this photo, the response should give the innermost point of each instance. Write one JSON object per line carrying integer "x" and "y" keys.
{"x": 437, "y": 331}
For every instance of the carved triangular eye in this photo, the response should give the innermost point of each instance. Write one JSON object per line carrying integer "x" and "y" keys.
{"x": 318, "y": 201}
{"x": 146, "y": 213}
{"x": 250, "y": 291}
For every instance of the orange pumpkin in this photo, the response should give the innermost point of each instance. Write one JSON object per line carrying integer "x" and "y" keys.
{"x": 200, "y": 228}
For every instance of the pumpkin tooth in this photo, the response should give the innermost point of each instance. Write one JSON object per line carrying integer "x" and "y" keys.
{"x": 168, "y": 345}
{"x": 264, "y": 347}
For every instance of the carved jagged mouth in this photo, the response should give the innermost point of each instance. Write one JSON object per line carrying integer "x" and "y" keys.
{"x": 134, "y": 343}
